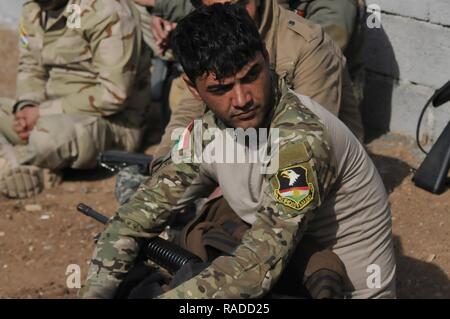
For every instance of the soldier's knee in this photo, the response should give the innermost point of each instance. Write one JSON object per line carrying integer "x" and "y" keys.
{"x": 50, "y": 134}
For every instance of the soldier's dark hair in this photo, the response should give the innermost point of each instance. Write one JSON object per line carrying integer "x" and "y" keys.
{"x": 219, "y": 39}
{"x": 197, "y": 3}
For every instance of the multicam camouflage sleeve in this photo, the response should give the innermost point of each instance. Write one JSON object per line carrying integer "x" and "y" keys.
{"x": 170, "y": 188}
{"x": 306, "y": 172}
{"x": 143, "y": 216}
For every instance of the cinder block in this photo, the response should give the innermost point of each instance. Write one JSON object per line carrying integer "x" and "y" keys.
{"x": 411, "y": 50}
{"x": 10, "y": 12}
{"x": 418, "y": 9}
{"x": 440, "y": 12}
{"x": 395, "y": 106}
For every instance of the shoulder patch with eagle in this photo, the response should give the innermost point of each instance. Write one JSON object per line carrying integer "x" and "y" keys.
{"x": 293, "y": 188}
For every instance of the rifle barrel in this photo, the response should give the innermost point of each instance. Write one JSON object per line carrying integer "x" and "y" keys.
{"x": 88, "y": 211}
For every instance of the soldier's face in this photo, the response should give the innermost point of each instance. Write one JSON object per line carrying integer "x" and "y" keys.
{"x": 242, "y": 100}
{"x": 51, "y": 4}
{"x": 250, "y": 5}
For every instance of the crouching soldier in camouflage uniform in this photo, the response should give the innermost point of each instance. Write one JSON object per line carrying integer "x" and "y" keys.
{"x": 298, "y": 50}
{"x": 321, "y": 184}
{"x": 83, "y": 87}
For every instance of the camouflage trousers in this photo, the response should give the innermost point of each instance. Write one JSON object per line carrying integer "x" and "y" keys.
{"x": 128, "y": 180}
{"x": 66, "y": 140}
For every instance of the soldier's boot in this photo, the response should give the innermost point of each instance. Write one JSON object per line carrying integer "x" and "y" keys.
{"x": 25, "y": 181}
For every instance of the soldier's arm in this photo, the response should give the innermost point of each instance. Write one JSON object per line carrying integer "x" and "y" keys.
{"x": 145, "y": 215}
{"x": 266, "y": 247}
{"x": 32, "y": 76}
{"x": 113, "y": 45}
{"x": 172, "y": 10}
{"x": 337, "y": 17}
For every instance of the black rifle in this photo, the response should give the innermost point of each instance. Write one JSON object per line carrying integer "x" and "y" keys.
{"x": 116, "y": 160}
{"x": 162, "y": 252}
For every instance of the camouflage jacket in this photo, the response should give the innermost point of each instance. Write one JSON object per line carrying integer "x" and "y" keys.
{"x": 88, "y": 58}
{"x": 278, "y": 205}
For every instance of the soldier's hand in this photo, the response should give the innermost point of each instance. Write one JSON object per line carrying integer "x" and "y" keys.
{"x": 20, "y": 127}
{"x": 28, "y": 115}
{"x": 146, "y": 3}
{"x": 161, "y": 32}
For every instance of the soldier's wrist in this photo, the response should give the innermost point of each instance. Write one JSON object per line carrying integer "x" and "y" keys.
{"x": 21, "y": 104}
{"x": 50, "y": 108}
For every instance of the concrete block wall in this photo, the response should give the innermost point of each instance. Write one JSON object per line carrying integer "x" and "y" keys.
{"x": 10, "y": 12}
{"x": 407, "y": 59}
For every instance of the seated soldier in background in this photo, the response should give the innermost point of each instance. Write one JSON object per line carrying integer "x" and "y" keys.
{"x": 299, "y": 51}
{"x": 83, "y": 86}
{"x": 343, "y": 21}
{"x": 317, "y": 181}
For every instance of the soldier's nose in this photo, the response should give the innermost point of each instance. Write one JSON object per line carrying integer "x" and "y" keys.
{"x": 241, "y": 98}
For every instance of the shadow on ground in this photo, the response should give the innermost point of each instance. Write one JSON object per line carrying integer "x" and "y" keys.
{"x": 392, "y": 170}
{"x": 416, "y": 278}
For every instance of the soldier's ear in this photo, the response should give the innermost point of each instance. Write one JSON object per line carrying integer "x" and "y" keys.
{"x": 191, "y": 86}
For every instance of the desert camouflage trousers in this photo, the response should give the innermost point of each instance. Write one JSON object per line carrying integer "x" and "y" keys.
{"x": 66, "y": 140}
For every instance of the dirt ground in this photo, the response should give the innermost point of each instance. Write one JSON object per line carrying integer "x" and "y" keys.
{"x": 40, "y": 237}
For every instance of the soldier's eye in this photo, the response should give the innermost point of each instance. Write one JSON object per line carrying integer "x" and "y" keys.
{"x": 220, "y": 89}
{"x": 252, "y": 75}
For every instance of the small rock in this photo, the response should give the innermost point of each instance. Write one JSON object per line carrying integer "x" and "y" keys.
{"x": 30, "y": 249}
{"x": 48, "y": 247}
{"x": 84, "y": 190}
{"x": 2, "y": 233}
{"x": 89, "y": 226}
{"x": 70, "y": 189}
{"x": 5, "y": 266}
{"x": 45, "y": 217}
{"x": 33, "y": 207}
{"x": 430, "y": 258}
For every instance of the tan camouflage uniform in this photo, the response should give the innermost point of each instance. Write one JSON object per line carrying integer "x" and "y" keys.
{"x": 343, "y": 20}
{"x": 343, "y": 206}
{"x": 91, "y": 84}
